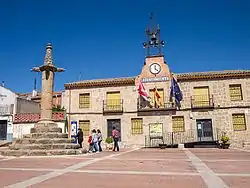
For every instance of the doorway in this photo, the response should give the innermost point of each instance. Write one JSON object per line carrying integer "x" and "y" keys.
{"x": 204, "y": 129}
{"x": 3, "y": 129}
{"x": 113, "y": 123}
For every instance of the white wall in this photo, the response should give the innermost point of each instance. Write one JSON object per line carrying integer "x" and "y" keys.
{"x": 7, "y": 98}
{"x": 21, "y": 129}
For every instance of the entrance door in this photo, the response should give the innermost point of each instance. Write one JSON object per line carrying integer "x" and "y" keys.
{"x": 3, "y": 129}
{"x": 113, "y": 123}
{"x": 204, "y": 129}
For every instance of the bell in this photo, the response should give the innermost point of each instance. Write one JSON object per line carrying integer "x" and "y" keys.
{"x": 153, "y": 37}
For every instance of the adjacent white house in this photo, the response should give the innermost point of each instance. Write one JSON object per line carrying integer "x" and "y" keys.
{"x": 10, "y": 105}
{"x": 7, "y": 111}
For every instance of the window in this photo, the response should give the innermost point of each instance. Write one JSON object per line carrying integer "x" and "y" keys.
{"x": 239, "y": 122}
{"x": 235, "y": 92}
{"x": 136, "y": 126}
{"x": 113, "y": 100}
{"x": 152, "y": 95}
{"x": 201, "y": 96}
{"x": 85, "y": 126}
{"x": 178, "y": 124}
{"x": 84, "y": 100}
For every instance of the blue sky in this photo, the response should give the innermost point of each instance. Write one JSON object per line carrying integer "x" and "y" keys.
{"x": 103, "y": 39}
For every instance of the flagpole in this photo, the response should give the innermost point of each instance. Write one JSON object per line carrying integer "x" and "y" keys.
{"x": 172, "y": 83}
{"x": 155, "y": 92}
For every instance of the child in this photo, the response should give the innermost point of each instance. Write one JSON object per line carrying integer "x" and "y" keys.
{"x": 90, "y": 143}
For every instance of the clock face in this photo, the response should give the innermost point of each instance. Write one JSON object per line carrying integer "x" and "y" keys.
{"x": 155, "y": 68}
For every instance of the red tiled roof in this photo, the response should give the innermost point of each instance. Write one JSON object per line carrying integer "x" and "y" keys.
{"x": 38, "y": 94}
{"x": 34, "y": 117}
{"x": 194, "y": 76}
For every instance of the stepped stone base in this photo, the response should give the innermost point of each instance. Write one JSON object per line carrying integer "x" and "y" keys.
{"x": 44, "y": 139}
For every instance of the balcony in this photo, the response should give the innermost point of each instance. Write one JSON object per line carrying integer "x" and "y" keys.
{"x": 6, "y": 110}
{"x": 113, "y": 106}
{"x": 202, "y": 101}
{"x": 143, "y": 106}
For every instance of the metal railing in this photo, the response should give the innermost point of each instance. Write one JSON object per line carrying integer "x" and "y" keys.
{"x": 202, "y": 101}
{"x": 171, "y": 138}
{"x": 113, "y": 105}
{"x": 143, "y": 105}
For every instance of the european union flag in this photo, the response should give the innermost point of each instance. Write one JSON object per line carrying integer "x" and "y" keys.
{"x": 175, "y": 91}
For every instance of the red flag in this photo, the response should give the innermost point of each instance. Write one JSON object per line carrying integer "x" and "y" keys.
{"x": 142, "y": 92}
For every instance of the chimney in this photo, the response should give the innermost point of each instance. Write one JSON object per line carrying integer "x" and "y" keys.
{"x": 34, "y": 92}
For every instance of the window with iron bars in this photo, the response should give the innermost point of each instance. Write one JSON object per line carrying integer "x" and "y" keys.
{"x": 239, "y": 122}
{"x": 137, "y": 126}
{"x": 84, "y": 100}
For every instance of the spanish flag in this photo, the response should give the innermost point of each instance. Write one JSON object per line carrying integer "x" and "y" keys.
{"x": 158, "y": 99}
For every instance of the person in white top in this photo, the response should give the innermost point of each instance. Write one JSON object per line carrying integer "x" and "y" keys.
{"x": 95, "y": 140}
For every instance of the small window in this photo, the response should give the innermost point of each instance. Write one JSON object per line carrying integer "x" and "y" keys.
{"x": 84, "y": 100}
{"x": 239, "y": 122}
{"x": 178, "y": 124}
{"x": 235, "y": 92}
{"x": 136, "y": 126}
{"x": 85, "y": 126}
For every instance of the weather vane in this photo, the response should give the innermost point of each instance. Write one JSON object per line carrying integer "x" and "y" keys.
{"x": 153, "y": 38}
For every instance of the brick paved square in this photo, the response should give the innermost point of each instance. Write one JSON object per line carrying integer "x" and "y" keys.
{"x": 144, "y": 168}
{"x": 39, "y": 162}
{"x": 175, "y": 154}
{"x": 142, "y": 165}
{"x": 11, "y": 177}
{"x": 221, "y": 154}
{"x": 230, "y": 167}
{"x": 123, "y": 181}
{"x": 237, "y": 182}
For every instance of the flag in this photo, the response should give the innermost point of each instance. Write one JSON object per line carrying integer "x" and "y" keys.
{"x": 157, "y": 98}
{"x": 144, "y": 98}
{"x": 142, "y": 92}
{"x": 175, "y": 92}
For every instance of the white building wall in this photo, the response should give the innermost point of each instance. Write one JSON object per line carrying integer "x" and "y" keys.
{"x": 7, "y": 98}
{"x": 21, "y": 129}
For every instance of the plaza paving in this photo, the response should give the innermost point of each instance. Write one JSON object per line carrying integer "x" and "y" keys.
{"x": 140, "y": 168}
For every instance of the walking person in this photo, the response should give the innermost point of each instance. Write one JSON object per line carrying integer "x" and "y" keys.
{"x": 99, "y": 135}
{"x": 90, "y": 144}
{"x": 80, "y": 137}
{"x": 115, "y": 135}
{"x": 95, "y": 140}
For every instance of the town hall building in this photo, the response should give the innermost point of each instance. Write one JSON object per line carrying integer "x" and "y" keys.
{"x": 212, "y": 104}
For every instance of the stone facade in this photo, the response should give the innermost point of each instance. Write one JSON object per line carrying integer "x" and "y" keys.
{"x": 220, "y": 113}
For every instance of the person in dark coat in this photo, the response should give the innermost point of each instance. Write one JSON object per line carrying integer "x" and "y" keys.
{"x": 80, "y": 137}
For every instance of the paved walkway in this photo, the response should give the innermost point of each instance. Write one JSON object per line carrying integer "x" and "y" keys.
{"x": 140, "y": 168}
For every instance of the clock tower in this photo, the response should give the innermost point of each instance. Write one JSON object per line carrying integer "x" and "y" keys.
{"x": 155, "y": 68}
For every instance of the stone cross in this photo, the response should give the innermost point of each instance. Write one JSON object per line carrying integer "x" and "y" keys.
{"x": 48, "y": 70}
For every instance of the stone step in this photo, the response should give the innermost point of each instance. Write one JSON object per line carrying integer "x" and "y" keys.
{"x": 18, "y": 153}
{"x": 44, "y": 146}
{"x": 46, "y": 129}
{"x": 43, "y": 141}
{"x": 48, "y": 135}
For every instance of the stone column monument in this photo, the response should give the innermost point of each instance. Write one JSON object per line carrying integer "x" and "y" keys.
{"x": 46, "y": 138}
{"x": 48, "y": 70}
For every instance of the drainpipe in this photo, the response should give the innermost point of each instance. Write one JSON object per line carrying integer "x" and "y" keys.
{"x": 69, "y": 122}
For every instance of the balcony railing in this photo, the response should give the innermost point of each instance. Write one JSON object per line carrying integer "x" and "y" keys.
{"x": 146, "y": 106}
{"x": 6, "y": 110}
{"x": 113, "y": 106}
{"x": 202, "y": 101}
